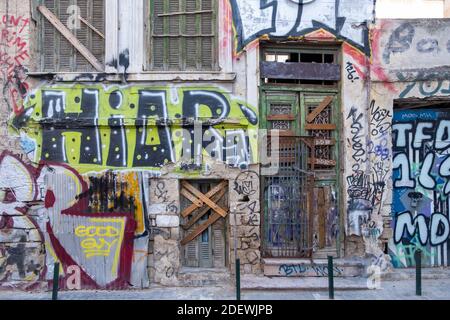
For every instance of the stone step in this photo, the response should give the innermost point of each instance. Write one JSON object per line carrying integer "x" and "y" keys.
{"x": 410, "y": 273}
{"x": 312, "y": 268}
{"x": 251, "y": 282}
{"x": 198, "y": 277}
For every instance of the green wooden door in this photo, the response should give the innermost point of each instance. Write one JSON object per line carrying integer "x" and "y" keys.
{"x": 312, "y": 112}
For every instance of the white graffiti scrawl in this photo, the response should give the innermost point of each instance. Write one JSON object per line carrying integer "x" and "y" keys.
{"x": 284, "y": 18}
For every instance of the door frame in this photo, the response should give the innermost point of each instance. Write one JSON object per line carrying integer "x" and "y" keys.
{"x": 338, "y": 152}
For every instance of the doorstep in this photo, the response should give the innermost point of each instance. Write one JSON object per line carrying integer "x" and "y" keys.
{"x": 298, "y": 268}
{"x": 251, "y": 282}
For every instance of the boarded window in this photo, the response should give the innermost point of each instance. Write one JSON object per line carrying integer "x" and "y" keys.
{"x": 183, "y": 35}
{"x": 56, "y": 53}
{"x": 208, "y": 248}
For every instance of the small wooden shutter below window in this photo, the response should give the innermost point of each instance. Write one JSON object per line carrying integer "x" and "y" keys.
{"x": 219, "y": 244}
{"x": 191, "y": 254}
{"x": 205, "y": 252}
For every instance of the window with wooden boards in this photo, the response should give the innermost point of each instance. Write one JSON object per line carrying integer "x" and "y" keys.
{"x": 57, "y": 54}
{"x": 183, "y": 35}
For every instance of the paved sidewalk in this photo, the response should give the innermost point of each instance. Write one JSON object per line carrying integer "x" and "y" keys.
{"x": 390, "y": 290}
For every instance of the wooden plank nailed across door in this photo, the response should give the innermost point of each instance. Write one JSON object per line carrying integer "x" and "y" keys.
{"x": 203, "y": 204}
{"x": 189, "y": 210}
{"x": 322, "y": 162}
{"x": 320, "y": 127}
{"x": 325, "y": 103}
{"x": 205, "y": 199}
{"x": 199, "y": 230}
{"x": 191, "y": 198}
{"x": 70, "y": 37}
{"x": 204, "y": 210}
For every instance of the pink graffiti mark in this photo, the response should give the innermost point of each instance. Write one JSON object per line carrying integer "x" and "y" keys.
{"x": 375, "y": 36}
{"x": 13, "y": 56}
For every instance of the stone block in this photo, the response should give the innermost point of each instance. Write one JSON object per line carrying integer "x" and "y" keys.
{"x": 167, "y": 221}
{"x": 175, "y": 233}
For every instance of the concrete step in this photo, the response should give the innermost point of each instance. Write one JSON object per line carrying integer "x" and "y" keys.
{"x": 312, "y": 268}
{"x": 251, "y": 282}
{"x": 198, "y": 277}
{"x": 410, "y": 273}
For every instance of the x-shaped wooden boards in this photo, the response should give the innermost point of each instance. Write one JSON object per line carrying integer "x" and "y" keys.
{"x": 206, "y": 202}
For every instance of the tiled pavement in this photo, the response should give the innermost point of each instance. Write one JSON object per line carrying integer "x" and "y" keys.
{"x": 390, "y": 290}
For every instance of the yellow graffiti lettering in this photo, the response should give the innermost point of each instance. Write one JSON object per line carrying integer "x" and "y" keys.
{"x": 106, "y": 232}
{"x": 97, "y": 247}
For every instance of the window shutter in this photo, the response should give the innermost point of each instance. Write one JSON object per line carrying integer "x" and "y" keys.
{"x": 219, "y": 244}
{"x": 205, "y": 252}
{"x": 191, "y": 254}
{"x": 48, "y": 40}
{"x": 98, "y": 21}
{"x": 66, "y": 50}
{"x": 184, "y": 37}
{"x": 158, "y": 30}
{"x": 83, "y": 35}
{"x": 207, "y": 29}
{"x": 57, "y": 54}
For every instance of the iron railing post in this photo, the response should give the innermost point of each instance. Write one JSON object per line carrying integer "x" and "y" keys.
{"x": 418, "y": 258}
{"x": 238, "y": 279}
{"x": 55, "y": 281}
{"x": 330, "y": 277}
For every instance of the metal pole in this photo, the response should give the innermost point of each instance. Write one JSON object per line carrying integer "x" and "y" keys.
{"x": 330, "y": 277}
{"x": 238, "y": 279}
{"x": 418, "y": 257}
{"x": 237, "y": 260}
{"x": 55, "y": 281}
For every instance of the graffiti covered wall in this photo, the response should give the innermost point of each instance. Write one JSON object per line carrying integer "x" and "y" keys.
{"x": 94, "y": 127}
{"x": 95, "y": 151}
{"x": 413, "y": 54}
{"x": 87, "y": 170}
{"x": 281, "y": 19}
{"x": 421, "y": 186}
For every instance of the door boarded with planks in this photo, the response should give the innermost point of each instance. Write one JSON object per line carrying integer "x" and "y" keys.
{"x": 204, "y": 207}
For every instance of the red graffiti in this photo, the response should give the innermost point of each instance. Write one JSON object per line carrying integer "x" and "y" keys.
{"x": 67, "y": 212}
{"x": 14, "y": 56}
{"x": 375, "y": 36}
{"x": 6, "y": 221}
{"x": 49, "y": 199}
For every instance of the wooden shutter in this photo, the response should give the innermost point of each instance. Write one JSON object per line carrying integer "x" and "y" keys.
{"x": 57, "y": 54}
{"x": 208, "y": 249}
{"x": 321, "y": 124}
{"x": 191, "y": 254}
{"x": 205, "y": 259}
{"x": 183, "y": 35}
{"x": 282, "y": 110}
{"x": 207, "y": 25}
{"x": 219, "y": 244}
